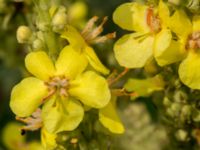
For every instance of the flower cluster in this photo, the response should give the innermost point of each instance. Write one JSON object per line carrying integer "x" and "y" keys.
{"x": 168, "y": 35}
{"x": 63, "y": 87}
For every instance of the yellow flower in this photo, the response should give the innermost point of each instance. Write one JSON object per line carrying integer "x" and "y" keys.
{"x": 80, "y": 42}
{"x": 152, "y": 37}
{"x": 188, "y": 69}
{"x": 61, "y": 87}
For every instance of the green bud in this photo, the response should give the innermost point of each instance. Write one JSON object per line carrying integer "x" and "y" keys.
{"x": 196, "y": 115}
{"x": 180, "y": 96}
{"x": 186, "y": 110}
{"x": 176, "y": 108}
{"x": 166, "y": 101}
{"x": 181, "y": 135}
{"x": 193, "y": 5}
{"x": 23, "y": 34}
{"x": 175, "y": 2}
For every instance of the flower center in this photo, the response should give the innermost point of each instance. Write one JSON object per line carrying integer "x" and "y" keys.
{"x": 193, "y": 40}
{"x": 153, "y": 21}
{"x": 58, "y": 84}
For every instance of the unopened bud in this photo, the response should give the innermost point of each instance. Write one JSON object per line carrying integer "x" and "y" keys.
{"x": 175, "y": 2}
{"x": 181, "y": 135}
{"x": 166, "y": 101}
{"x": 23, "y": 34}
{"x": 38, "y": 44}
{"x": 194, "y": 5}
{"x": 59, "y": 20}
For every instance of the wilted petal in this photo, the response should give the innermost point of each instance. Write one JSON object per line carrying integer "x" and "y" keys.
{"x": 62, "y": 114}
{"x": 109, "y": 118}
{"x": 133, "y": 52}
{"x": 70, "y": 62}
{"x": 94, "y": 61}
{"x": 189, "y": 72}
{"x": 91, "y": 89}
{"x": 131, "y": 16}
{"x": 166, "y": 49}
{"x": 27, "y": 96}
{"x": 40, "y": 65}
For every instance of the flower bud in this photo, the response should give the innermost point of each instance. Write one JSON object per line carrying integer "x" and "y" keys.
{"x": 181, "y": 135}
{"x": 194, "y": 5}
{"x": 23, "y": 34}
{"x": 166, "y": 101}
{"x": 38, "y": 44}
{"x": 59, "y": 20}
{"x": 175, "y": 2}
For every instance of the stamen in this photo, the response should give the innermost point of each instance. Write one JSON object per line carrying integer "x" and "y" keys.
{"x": 91, "y": 35}
{"x": 152, "y": 20}
{"x": 89, "y": 25}
{"x": 193, "y": 41}
{"x": 57, "y": 84}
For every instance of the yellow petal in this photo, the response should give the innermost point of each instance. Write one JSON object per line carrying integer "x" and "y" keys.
{"x": 167, "y": 50}
{"x": 94, "y": 61}
{"x": 109, "y": 118}
{"x": 74, "y": 38}
{"x": 70, "y": 63}
{"x": 13, "y": 129}
{"x": 62, "y": 115}
{"x": 189, "y": 72}
{"x": 27, "y": 96}
{"x": 196, "y": 23}
{"x": 40, "y": 65}
{"x": 48, "y": 140}
{"x": 180, "y": 23}
{"x": 91, "y": 89}
{"x": 163, "y": 12}
{"x": 131, "y": 16}
{"x": 132, "y": 52}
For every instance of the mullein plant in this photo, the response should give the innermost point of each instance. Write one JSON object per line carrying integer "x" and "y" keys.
{"x": 69, "y": 89}
{"x": 68, "y": 78}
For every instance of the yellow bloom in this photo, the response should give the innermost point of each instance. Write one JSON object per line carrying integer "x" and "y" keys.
{"x": 152, "y": 37}
{"x": 188, "y": 69}
{"x": 61, "y": 87}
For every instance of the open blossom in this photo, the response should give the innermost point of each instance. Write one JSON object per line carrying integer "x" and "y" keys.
{"x": 189, "y": 68}
{"x": 152, "y": 35}
{"x": 62, "y": 87}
